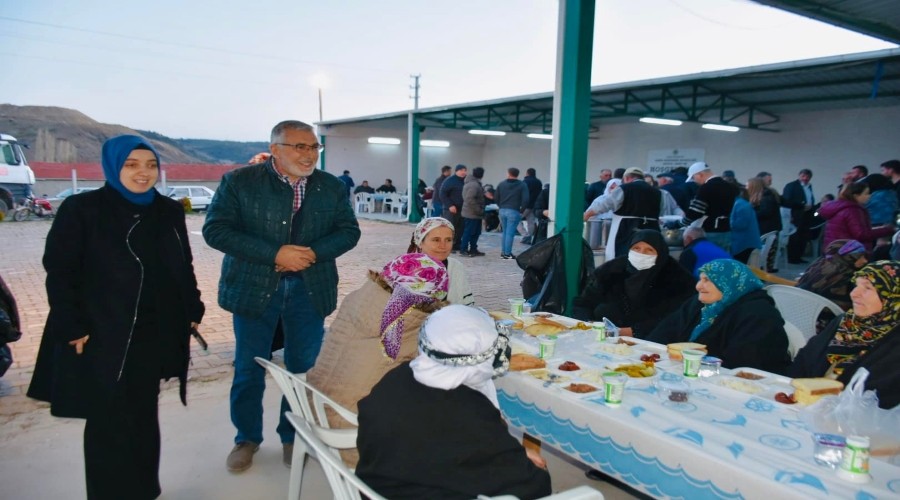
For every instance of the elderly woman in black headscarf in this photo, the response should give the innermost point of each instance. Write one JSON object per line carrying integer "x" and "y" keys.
{"x": 635, "y": 291}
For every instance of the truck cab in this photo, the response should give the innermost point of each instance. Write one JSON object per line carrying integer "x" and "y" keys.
{"x": 16, "y": 177}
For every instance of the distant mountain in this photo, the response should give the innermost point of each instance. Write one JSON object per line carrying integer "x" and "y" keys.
{"x": 61, "y": 135}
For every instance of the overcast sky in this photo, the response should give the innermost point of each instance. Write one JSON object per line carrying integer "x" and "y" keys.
{"x": 232, "y": 69}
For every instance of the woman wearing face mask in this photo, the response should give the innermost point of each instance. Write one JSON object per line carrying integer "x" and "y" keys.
{"x": 733, "y": 317}
{"x": 636, "y": 290}
{"x": 123, "y": 298}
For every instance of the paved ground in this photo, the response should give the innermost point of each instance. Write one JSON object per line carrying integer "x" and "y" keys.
{"x": 42, "y": 455}
{"x": 493, "y": 281}
{"x": 196, "y": 439}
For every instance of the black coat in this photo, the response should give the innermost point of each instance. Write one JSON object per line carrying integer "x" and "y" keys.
{"x": 605, "y": 295}
{"x": 882, "y": 361}
{"x": 452, "y": 444}
{"x": 94, "y": 283}
{"x": 749, "y": 333}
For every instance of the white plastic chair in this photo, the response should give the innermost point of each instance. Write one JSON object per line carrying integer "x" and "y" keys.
{"x": 308, "y": 403}
{"x": 321, "y": 441}
{"x": 365, "y": 202}
{"x": 796, "y": 339}
{"x": 781, "y": 256}
{"x": 397, "y": 204}
{"x": 801, "y": 307}
{"x": 767, "y": 240}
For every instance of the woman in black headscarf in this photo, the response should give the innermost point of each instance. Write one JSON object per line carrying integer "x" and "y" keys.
{"x": 123, "y": 299}
{"x": 636, "y": 290}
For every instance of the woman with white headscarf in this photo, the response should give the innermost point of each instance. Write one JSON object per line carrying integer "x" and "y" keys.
{"x": 431, "y": 428}
{"x": 434, "y": 236}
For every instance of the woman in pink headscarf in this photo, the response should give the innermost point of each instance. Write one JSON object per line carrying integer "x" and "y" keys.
{"x": 376, "y": 328}
{"x": 434, "y": 236}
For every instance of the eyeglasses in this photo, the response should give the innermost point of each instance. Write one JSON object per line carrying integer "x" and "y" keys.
{"x": 304, "y": 148}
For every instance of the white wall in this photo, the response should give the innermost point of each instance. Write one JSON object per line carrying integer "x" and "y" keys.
{"x": 827, "y": 142}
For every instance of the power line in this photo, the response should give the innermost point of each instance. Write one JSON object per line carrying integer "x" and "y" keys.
{"x": 192, "y": 46}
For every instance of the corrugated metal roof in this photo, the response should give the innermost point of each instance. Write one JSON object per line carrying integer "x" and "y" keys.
{"x": 876, "y": 18}
{"x": 752, "y": 97}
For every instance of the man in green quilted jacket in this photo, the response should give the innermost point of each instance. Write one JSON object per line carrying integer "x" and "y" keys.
{"x": 281, "y": 225}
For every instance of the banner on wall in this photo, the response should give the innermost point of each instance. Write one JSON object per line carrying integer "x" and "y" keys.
{"x": 664, "y": 160}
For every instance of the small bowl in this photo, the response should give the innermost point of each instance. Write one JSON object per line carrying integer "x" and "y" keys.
{"x": 676, "y": 391}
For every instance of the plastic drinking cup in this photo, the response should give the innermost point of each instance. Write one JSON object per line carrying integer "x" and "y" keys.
{"x": 547, "y": 346}
{"x": 515, "y": 306}
{"x": 692, "y": 359}
{"x": 614, "y": 387}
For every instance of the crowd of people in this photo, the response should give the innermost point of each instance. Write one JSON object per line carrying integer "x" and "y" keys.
{"x": 124, "y": 303}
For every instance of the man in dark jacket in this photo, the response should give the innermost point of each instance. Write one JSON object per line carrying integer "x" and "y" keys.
{"x": 512, "y": 198}
{"x": 596, "y": 189}
{"x": 534, "y": 189}
{"x": 798, "y": 196}
{"x": 436, "y": 191}
{"x": 281, "y": 224}
{"x": 714, "y": 201}
{"x": 452, "y": 201}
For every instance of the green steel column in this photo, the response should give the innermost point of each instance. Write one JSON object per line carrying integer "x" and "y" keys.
{"x": 322, "y": 154}
{"x": 413, "y": 168}
{"x": 571, "y": 118}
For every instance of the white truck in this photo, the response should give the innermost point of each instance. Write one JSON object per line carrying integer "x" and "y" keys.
{"x": 16, "y": 177}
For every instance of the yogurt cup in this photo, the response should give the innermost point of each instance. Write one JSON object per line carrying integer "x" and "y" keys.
{"x": 614, "y": 388}
{"x": 691, "y": 359}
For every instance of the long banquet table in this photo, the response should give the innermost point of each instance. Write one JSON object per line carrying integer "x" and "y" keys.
{"x": 721, "y": 443}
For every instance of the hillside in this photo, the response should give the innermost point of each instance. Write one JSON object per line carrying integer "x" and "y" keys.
{"x": 61, "y": 135}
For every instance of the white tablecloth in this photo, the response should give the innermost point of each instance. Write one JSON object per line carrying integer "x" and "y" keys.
{"x": 720, "y": 444}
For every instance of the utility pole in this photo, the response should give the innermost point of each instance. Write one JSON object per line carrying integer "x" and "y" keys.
{"x": 415, "y": 88}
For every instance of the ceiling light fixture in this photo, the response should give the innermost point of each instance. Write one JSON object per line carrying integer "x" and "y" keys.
{"x": 539, "y": 136}
{"x": 723, "y": 128}
{"x": 384, "y": 140}
{"x": 487, "y": 132}
{"x": 430, "y": 143}
{"x": 660, "y": 121}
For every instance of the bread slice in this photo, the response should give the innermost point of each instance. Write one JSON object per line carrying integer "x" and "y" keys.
{"x": 521, "y": 361}
{"x": 543, "y": 329}
{"x": 809, "y": 390}
{"x": 676, "y": 348}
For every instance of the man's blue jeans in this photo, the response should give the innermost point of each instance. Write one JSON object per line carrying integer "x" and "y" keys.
{"x": 509, "y": 219}
{"x": 303, "y": 331}
{"x": 471, "y": 232}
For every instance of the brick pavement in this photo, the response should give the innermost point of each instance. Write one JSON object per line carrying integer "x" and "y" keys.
{"x": 493, "y": 280}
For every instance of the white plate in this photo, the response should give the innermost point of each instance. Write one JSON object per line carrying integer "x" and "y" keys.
{"x": 738, "y": 384}
{"x": 767, "y": 378}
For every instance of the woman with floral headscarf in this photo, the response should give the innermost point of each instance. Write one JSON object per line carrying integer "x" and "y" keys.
{"x": 733, "y": 316}
{"x": 432, "y": 428}
{"x": 434, "y": 236}
{"x": 123, "y": 299}
{"x": 376, "y": 328}
{"x": 866, "y": 336}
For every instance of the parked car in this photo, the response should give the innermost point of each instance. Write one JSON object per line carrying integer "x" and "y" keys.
{"x": 57, "y": 199}
{"x": 200, "y": 196}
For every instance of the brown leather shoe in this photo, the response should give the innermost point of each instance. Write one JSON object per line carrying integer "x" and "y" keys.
{"x": 287, "y": 454}
{"x": 241, "y": 456}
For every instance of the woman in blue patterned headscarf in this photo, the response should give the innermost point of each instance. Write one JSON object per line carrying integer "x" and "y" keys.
{"x": 733, "y": 317}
